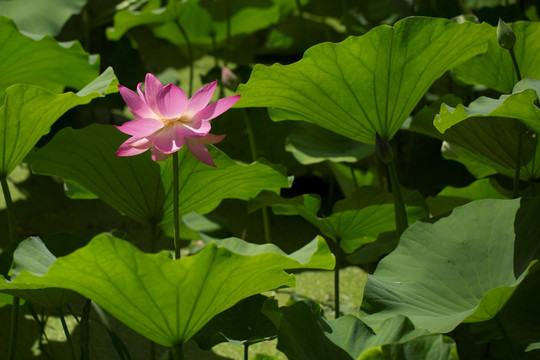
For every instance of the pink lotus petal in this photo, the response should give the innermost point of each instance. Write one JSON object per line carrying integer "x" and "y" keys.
{"x": 158, "y": 155}
{"x": 136, "y": 105}
{"x": 167, "y": 141}
{"x": 200, "y": 152}
{"x": 200, "y": 128}
{"x": 209, "y": 139}
{"x": 171, "y": 102}
{"x": 216, "y": 108}
{"x": 201, "y": 98}
{"x": 151, "y": 88}
{"x": 127, "y": 150}
{"x": 140, "y": 127}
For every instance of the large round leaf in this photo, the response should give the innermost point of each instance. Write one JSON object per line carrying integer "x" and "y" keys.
{"x": 43, "y": 63}
{"x": 29, "y": 111}
{"x": 304, "y": 334}
{"x": 458, "y": 269}
{"x": 139, "y": 187}
{"x": 494, "y": 68}
{"x": 368, "y": 84}
{"x": 168, "y": 300}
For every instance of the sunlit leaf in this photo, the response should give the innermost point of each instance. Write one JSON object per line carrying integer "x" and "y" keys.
{"x": 495, "y": 69}
{"x": 29, "y": 14}
{"x": 44, "y": 63}
{"x": 457, "y": 269}
{"x": 29, "y": 111}
{"x": 368, "y": 84}
{"x": 168, "y": 300}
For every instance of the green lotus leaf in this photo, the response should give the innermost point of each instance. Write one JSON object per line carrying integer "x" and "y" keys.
{"x": 167, "y": 300}
{"x": 29, "y": 111}
{"x": 203, "y": 22}
{"x": 33, "y": 256}
{"x": 354, "y": 226}
{"x": 43, "y": 62}
{"x": 368, "y": 84}
{"x": 304, "y": 334}
{"x": 457, "y": 269}
{"x": 29, "y": 14}
{"x": 312, "y": 144}
{"x": 495, "y": 69}
{"x": 139, "y": 187}
{"x": 522, "y": 104}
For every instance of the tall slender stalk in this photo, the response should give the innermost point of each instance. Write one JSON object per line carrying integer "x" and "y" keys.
{"x": 178, "y": 351}
{"x": 12, "y": 242}
{"x": 336, "y": 278}
{"x": 505, "y": 336}
{"x": 521, "y": 133}
{"x": 190, "y": 55}
{"x": 246, "y": 351}
{"x": 253, "y": 150}
{"x": 176, "y": 201}
{"x": 85, "y": 330}
{"x": 399, "y": 205}
{"x": 68, "y": 336}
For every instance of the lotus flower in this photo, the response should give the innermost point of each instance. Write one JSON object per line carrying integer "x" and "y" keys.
{"x": 165, "y": 120}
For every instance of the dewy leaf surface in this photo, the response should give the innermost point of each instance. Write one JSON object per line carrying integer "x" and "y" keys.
{"x": 368, "y": 84}
{"x": 29, "y": 111}
{"x": 168, "y": 300}
{"x": 458, "y": 269}
{"x": 494, "y": 68}
{"x": 44, "y": 62}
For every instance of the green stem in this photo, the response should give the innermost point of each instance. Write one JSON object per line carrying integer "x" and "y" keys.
{"x": 10, "y": 210}
{"x": 399, "y": 204}
{"x": 302, "y": 20}
{"x": 178, "y": 352}
{"x": 353, "y": 176}
{"x": 505, "y": 336}
{"x": 521, "y": 133}
{"x": 176, "y": 201}
{"x": 190, "y": 55}
{"x": 253, "y": 150}
{"x": 336, "y": 278}
{"x": 14, "y": 327}
{"x": 154, "y": 236}
{"x": 228, "y": 33}
{"x": 85, "y": 330}
{"x": 246, "y": 351}
{"x": 68, "y": 336}
{"x": 517, "y": 172}
{"x": 151, "y": 350}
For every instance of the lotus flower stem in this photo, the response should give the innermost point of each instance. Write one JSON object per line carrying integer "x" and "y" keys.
{"x": 176, "y": 195}
{"x": 246, "y": 351}
{"x": 337, "y": 253}
{"x": 66, "y": 332}
{"x": 399, "y": 205}
{"x": 85, "y": 330}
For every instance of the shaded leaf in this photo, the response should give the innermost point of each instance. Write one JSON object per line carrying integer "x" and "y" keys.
{"x": 458, "y": 269}
{"x": 29, "y": 111}
{"x": 305, "y": 334}
{"x": 29, "y": 14}
{"x": 44, "y": 62}
{"x": 368, "y": 84}
{"x": 168, "y": 300}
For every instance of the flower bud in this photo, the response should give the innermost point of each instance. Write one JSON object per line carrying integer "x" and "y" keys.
{"x": 383, "y": 149}
{"x": 229, "y": 78}
{"x": 505, "y": 35}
